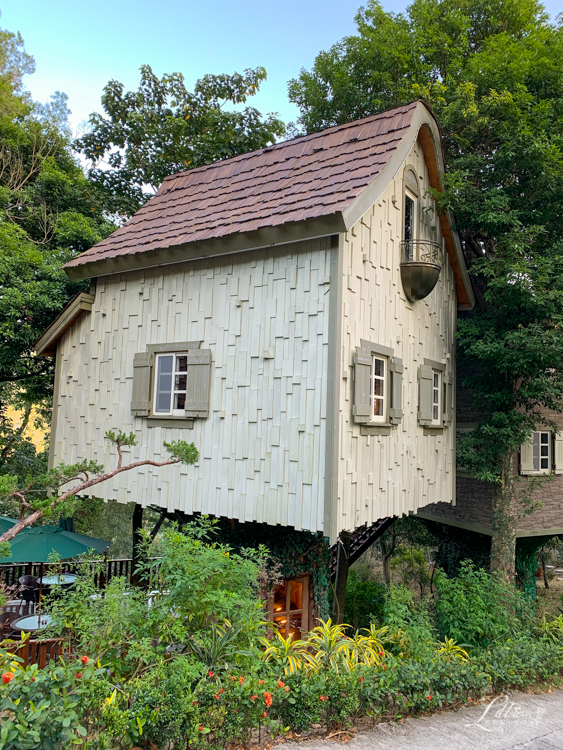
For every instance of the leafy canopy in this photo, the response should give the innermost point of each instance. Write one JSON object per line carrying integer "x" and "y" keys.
{"x": 146, "y": 135}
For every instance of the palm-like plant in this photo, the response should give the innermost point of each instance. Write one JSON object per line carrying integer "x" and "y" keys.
{"x": 219, "y": 651}
{"x": 330, "y": 645}
{"x": 286, "y": 652}
{"x": 449, "y": 648}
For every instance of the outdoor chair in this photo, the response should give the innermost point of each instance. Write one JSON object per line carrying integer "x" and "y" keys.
{"x": 6, "y": 620}
{"x": 29, "y": 591}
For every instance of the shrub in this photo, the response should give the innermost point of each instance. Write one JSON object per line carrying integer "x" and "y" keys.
{"x": 520, "y": 661}
{"x": 41, "y": 708}
{"x": 477, "y": 608}
{"x": 365, "y": 595}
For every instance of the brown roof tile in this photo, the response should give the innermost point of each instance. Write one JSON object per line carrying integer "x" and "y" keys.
{"x": 305, "y": 178}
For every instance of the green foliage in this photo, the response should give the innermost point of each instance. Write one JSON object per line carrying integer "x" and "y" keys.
{"x": 41, "y": 708}
{"x": 365, "y": 595}
{"x": 411, "y": 631}
{"x": 163, "y": 128}
{"x": 520, "y": 661}
{"x": 478, "y": 608}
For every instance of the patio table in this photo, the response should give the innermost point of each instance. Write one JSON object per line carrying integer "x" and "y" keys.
{"x": 32, "y": 622}
{"x": 62, "y": 579}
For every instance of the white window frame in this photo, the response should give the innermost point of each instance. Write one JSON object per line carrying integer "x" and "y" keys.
{"x": 379, "y": 418}
{"x": 172, "y": 412}
{"x": 409, "y": 194}
{"x": 437, "y": 397}
{"x": 548, "y": 455}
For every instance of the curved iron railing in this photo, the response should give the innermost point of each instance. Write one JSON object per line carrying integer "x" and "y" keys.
{"x": 421, "y": 251}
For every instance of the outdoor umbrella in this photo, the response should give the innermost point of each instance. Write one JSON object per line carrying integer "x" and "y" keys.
{"x": 35, "y": 544}
{"x": 6, "y": 523}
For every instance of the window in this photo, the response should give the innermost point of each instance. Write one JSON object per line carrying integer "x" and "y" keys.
{"x": 436, "y": 398}
{"x": 435, "y": 395}
{"x": 409, "y": 230}
{"x": 378, "y": 389}
{"x": 289, "y": 607}
{"x": 536, "y": 455}
{"x": 171, "y": 384}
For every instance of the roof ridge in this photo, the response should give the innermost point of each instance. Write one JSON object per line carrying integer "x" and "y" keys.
{"x": 283, "y": 144}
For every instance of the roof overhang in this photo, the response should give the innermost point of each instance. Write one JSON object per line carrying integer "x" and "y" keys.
{"x": 233, "y": 243}
{"x": 46, "y": 345}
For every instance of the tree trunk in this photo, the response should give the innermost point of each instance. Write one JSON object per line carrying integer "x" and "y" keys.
{"x": 385, "y": 557}
{"x": 137, "y": 523}
{"x": 342, "y": 566}
{"x": 503, "y": 542}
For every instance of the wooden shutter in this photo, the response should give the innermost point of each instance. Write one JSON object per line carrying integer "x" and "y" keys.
{"x": 198, "y": 381}
{"x": 448, "y": 406}
{"x": 142, "y": 372}
{"x": 425, "y": 381}
{"x": 361, "y": 409}
{"x": 527, "y": 455}
{"x": 558, "y": 452}
{"x": 396, "y": 390}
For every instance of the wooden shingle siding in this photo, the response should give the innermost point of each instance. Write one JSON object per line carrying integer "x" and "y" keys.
{"x": 264, "y": 316}
{"x": 392, "y": 474}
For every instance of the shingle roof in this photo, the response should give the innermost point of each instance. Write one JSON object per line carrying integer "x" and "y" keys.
{"x": 305, "y": 178}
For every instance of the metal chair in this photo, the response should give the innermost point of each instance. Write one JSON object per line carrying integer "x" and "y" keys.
{"x": 29, "y": 589}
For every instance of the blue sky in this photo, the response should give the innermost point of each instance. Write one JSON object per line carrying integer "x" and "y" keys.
{"x": 79, "y": 46}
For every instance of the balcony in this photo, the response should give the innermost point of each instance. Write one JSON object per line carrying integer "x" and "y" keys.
{"x": 420, "y": 267}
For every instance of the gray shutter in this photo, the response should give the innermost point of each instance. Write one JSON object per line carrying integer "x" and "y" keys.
{"x": 361, "y": 409}
{"x": 425, "y": 379}
{"x": 527, "y": 454}
{"x": 558, "y": 452}
{"x": 141, "y": 400}
{"x": 198, "y": 382}
{"x": 396, "y": 390}
{"x": 448, "y": 407}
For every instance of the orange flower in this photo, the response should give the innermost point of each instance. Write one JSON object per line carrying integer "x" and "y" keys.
{"x": 7, "y": 677}
{"x": 200, "y": 728}
{"x": 264, "y": 714}
{"x": 380, "y": 652}
{"x": 216, "y": 696}
{"x": 260, "y": 682}
{"x": 268, "y": 698}
{"x": 84, "y": 660}
{"x": 221, "y": 690}
{"x": 428, "y": 697}
{"x": 253, "y": 697}
{"x": 241, "y": 679}
{"x": 323, "y": 698}
{"x": 280, "y": 684}
{"x": 470, "y": 699}
{"x": 210, "y": 674}
{"x": 78, "y": 675}
{"x": 361, "y": 679}
{"x": 287, "y": 689}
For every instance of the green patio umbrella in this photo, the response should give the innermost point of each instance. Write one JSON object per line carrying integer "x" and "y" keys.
{"x": 6, "y": 523}
{"x": 35, "y": 544}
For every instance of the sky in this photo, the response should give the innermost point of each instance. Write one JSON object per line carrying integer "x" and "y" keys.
{"x": 78, "y": 46}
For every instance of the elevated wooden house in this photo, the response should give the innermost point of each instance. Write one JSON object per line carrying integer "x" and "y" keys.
{"x": 292, "y": 311}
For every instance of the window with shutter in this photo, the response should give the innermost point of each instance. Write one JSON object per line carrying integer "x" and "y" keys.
{"x": 378, "y": 384}
{"x": 536, "y": 454}
{"x": 435, "y": 395}
{"x": 171, "y": 383}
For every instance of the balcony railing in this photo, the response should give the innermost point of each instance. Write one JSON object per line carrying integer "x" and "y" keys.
{"x": 421, "y": 263}
{"x": 422, "y": 251}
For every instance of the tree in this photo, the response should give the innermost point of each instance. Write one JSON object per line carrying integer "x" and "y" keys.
{"x": 39, "y": 497}
{"x": 163, "y": 128}
{"x": 492, "y": 73}
{"x": 49, "y": 212}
